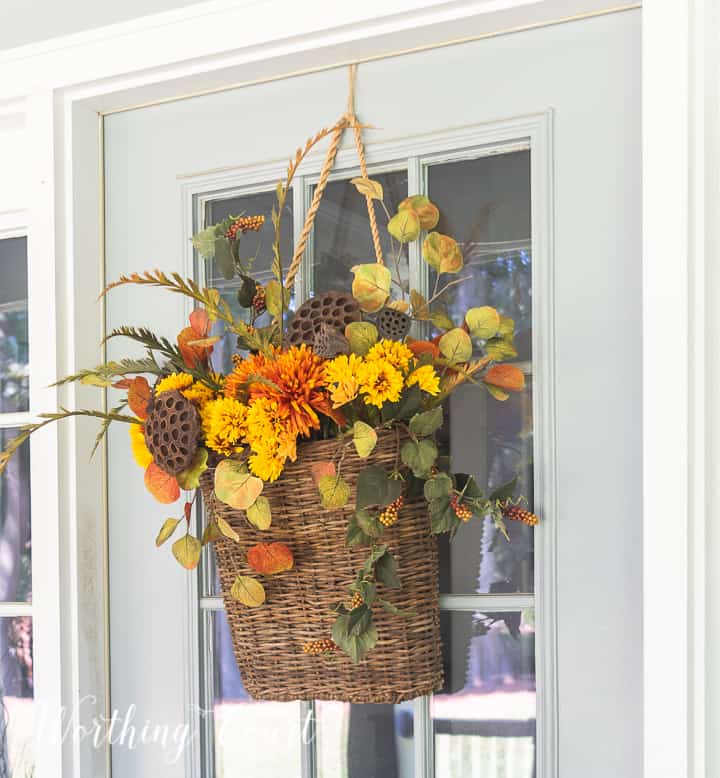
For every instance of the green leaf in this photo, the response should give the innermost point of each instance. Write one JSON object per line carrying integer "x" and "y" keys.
{"x": 506, "y": 328}
{"x": 468, "y": 486}
{"x": 371, "y": 286}
{"x": 359, "y": 619}
{"x": 404, "y": 226}
{"x": 210, "y": 534}
{"x": 411, "y": 401}
{"x": 277, "y": 298}
{"x": 204, "y": 242}
{"x": 442, "y": 516}
{"x": 386, "y": 571}
{"x": 499, "y": 349}
{"x": 497, "y": 392}
{"x": 375, "y": 554}
{"x": 334, "y": 491}
{"x": 224, "y": 257}
{"x": 369, "y": 592}
{"x": 340, "y": 630}
{"x": 375, "y": 487}
{"x": 187, "y": 551}
{"x": 424, "y": 424}
{"x": 440, "y": 485}
{"x": 391, "y": 608}
{"x": 364, "y": 438}
{"x": 362, "y": 336}
{"x": 355, "y": 536}
{"x": 504, "y": 492}
{"x": 259, "y": 513}
{"x": 456, "y": 346}
{"x": 368, "y": 524}
{"x": 419, "y": 456}
{"x": 246, "y": 293}
{"x": 483, "y": 322}
{"x": 441, "y": 320}
{"x": 190, "y": 478}
{"x": 169, "y": 526}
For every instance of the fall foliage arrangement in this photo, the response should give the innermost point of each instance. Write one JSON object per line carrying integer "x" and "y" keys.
{"x": 316, "y": 454}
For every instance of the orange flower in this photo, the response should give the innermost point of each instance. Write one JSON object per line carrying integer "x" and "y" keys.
{"x": 297, "y": 386}
{"x": 236, "y": 384}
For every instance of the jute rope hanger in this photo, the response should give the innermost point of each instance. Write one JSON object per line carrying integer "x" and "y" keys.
{"x": 347, "y": 120}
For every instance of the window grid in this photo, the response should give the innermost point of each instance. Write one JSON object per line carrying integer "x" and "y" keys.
{"x": 424, "y": 739}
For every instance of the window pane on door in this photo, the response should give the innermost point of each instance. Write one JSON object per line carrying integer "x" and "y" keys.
{"x": 364, "y": 741}
{"x": 17, "y": 722}
{"x": 485, "y": 204}
{"x": 15, "y": 543}
{"x": 255, "y": 254}
{"x": 259, "y": 739}
{"x": 342, "y": 238}
{"x": 484, "y": 719}
{"x": 14, "y": 376}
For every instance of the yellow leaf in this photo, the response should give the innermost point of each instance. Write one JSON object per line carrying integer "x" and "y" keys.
{"x": 404, "y": 226}
{"x": 169, "y": 526}
{"x": 235, "y": 486}
{"x": 371, "y": 286}
{"x": 497, "y": 393}
{"x": 426, "y": 211}
{"x": 259, "y": 514}
{"x": 368, "y": 187}
{"x": 211, "y": 534}
{"x": 226, "y": 530}
{"x": 399, "y": 305}
{"x": 364, "y": 438}
{"x": 483, "y": 322}
{"x": 334, "y": 491}
{"x": 442, "y": 252}
{"x": 187, "y": 551}
{"x": 190, "y": 477}
{"x": 362, "y": 336}
{"x": 419, "y": 305}
{"x": 248, "y": 591}
{"x": 456, "y": 346}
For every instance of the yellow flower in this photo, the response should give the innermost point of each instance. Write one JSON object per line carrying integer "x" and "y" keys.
{"x": 270, "y": 437}
{"x": 140, "y": 451}
{"x": 178, "y": 381}
{"x": 199, "y": 393}
{"x": 396, "y": 354}
{"x": 380, "y": 382}
{"x": 341, "y": 375}
{"x": 266, "y": 464}
{"x": 426, "y": 378}
{"x": 224, "y": 425}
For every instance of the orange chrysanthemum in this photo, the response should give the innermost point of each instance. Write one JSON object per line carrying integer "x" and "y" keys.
{"x": 297, "y": 385}
{"x": 236, "y": 384}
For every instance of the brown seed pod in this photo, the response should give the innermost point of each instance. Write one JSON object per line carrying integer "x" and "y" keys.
{"x": 328, "y": 343}
{"x": 337, "y": 309}
{"x": 172, "y": 431}
{"x": 392, "y": 324}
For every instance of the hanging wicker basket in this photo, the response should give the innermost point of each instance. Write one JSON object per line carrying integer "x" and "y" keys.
{"x": 268, "y": 640}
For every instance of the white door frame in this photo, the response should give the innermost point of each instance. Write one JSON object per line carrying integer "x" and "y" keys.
{"x": 198, "y": 48}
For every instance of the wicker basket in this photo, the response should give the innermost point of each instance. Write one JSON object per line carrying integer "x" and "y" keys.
{"x": 268, "y": 641}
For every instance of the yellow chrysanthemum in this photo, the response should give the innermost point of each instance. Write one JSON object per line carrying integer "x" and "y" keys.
{"x": 199, "y": 393}
{"x": 380, "y": 382}
{"x": 140, "y": 451}
{"x": 426, "y": 378}
{"x": 396, "y": 354}
{"x": 270, "y": 438}
{"x": 177, "y": 381}
{"x": 341, "y": 375}
{"x": 224, "y": 424}
{"x": 266, "y": 464}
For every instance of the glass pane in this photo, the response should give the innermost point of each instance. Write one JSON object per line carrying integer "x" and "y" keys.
{"x": 259, "y": 739}
{"x": 364, "y": 741}
{"x": 485, "y": 204}
{"x": 342, "y": 238}
{"x": 17, "y": 756}
{"x": 14, "y": 377}
{"x": 255, "y": 253}
{"x": 15, "y": 543}
{"x": 484, "y": 720}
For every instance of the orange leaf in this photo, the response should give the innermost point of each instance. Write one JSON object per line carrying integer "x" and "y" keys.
{"x": 123, "y": 383}
{"x": 139, "y": 396}
{"x": 200, "y": 322}
{"x": 163, "y": 487}
{"x": 193, "y": 356}
{"x": 319, "y": 469}
{"x": 507, "y": 377}
{"x": 270, "y": 558}
{"x": 420, "y": 347}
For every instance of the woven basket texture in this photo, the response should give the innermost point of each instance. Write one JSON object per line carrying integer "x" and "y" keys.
{"x": 268, "y": 640}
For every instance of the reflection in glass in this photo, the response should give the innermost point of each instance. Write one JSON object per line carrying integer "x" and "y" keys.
{"x": 17, "y": 756}
{"x": 258, "y": 739}
{"x": 341, "y": 237}
{"x": 485, "y": 204}
{"x": 15, "y": 543}
{"x": 14, "y": 376}
{"x": 484, "y": 719}
{"x": 364, "y": 741}
{"x": 255, "y": 254}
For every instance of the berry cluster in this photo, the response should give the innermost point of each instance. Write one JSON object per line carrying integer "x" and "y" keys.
{"x": 245, "y": 224}
{"x": 461, "y": 511}
{"x": 258, "y": 301}
{"x": 390, "y": 514}
{"x": 317, "y": 647}
{"x": 356, "y": 601}
{"x": 516, "y": 513}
